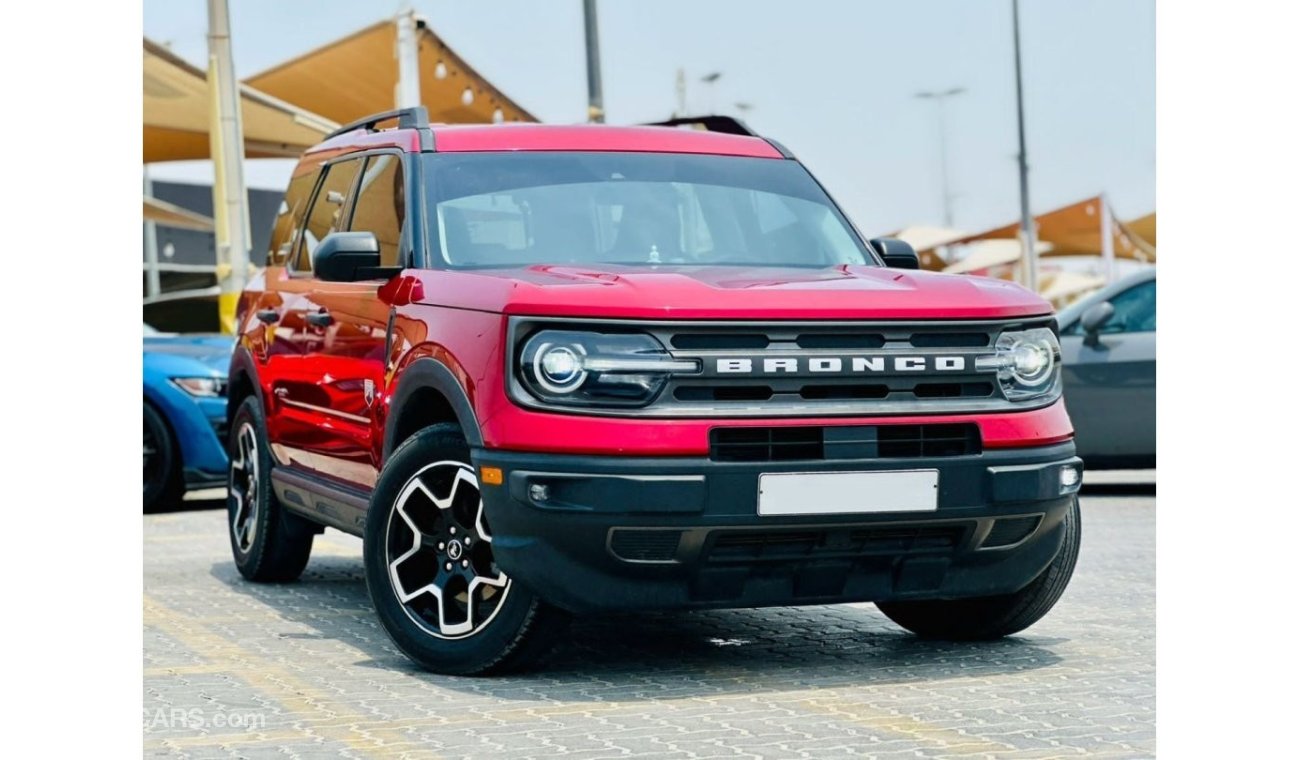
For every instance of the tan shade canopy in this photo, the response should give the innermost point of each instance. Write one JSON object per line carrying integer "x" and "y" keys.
{"x": 176, "y": 101}
{"x": 1063, "y": 287}
{"x": 1076, "y": 230}
{"x": 985, "y": 254}
{"x": 1144, "y": 227}
{"x": 357, "y": 76}
{"x": 171, "y": 215}
{"x": 926, "y": 240}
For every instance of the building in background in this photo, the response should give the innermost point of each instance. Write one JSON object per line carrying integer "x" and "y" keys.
{"x": 187, "y": 259}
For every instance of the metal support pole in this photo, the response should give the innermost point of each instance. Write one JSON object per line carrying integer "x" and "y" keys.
{"x": 681, "y": 93}
{"x": 408, "y": 61}
{"x": 595, "y": 98}
{"x": 153, "y": 283}
{"x": 943, "y": 167}
{"x": 226, "y": 137}
{"x": 1107, "y": 242}
{"x": 940, "y": 99}
{"x": 1028, "y": 233}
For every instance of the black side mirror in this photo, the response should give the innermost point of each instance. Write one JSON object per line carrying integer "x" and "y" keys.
{"x": 347, "y": 257}
{"x": 1093, "y": 319}
{"x": 897, "y": 253}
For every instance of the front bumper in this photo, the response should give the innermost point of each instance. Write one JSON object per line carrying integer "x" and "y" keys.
{"x": 637, "y": 533}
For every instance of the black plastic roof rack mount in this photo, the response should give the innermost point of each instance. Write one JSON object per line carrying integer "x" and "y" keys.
{"x": 710, "y": 123}
{"x": 407, "y": 118}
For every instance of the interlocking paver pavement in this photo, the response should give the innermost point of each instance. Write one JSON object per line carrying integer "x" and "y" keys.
{"x": 234, "y": 669}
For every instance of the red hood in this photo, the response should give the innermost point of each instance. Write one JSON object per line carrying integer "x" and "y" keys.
{"x": 666, "y": 292}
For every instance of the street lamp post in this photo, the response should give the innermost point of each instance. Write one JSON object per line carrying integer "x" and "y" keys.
{"x": 595, "y": 95}
{"x": 940, "y": 98}
{"x": 1028, "y": 233}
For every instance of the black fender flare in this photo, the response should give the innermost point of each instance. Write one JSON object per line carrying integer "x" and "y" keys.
{"x": 431, "y": 373}
{"x": 242, "y": 361}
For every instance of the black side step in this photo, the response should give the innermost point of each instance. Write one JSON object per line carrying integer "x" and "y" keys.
{"x": 321, "y": 502}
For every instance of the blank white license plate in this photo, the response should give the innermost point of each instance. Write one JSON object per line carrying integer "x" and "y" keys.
{"x": 848, "y": 493}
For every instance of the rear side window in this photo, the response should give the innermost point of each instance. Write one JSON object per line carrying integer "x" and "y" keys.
{"x": 326, "y": 214}
{"x": 380, "y": 206}
{"x": 289, "y": 218}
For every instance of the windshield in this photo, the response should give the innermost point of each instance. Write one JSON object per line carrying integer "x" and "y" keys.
{"x": 520, "y": 209}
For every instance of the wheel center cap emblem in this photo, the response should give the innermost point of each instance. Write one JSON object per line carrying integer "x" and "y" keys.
{"x": 454, "y": 549}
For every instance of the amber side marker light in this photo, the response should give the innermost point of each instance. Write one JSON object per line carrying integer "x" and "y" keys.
{"x": 490, "y": 475}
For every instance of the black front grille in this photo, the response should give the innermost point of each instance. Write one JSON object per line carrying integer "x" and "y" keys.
{"x": 787, "y": 444}
{"x": 785, "y": 545}
{"x": 781, "y": 368}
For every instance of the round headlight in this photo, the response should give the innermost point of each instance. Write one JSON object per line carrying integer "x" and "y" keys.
{"x": 1031, "y": 362}
{"x": 558, "y": 368}
{"x": 1027, "y": 362}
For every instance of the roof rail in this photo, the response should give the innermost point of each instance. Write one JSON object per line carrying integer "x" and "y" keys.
{"x": 726, "y": 124}
{"x": 407, "y": 118}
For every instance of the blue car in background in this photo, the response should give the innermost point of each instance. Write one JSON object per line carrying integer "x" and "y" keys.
{"x": 184, "y": 414}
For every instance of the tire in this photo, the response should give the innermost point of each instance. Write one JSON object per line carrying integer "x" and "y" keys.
{"x": 430, "y": 571}
{"x": 269, "y": 544}
{"x": 164, "y": 484}
{"x": 992, "y": 617}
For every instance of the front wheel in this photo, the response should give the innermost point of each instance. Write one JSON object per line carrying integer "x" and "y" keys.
{"x": 163, "y": 485}
{"x": 992, "y": 617}
{"x": 430, "y": 569}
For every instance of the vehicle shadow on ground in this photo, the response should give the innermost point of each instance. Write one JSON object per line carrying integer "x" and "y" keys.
{"x": 662, "y": 654}
{"x": 1117, "y": 489}
{"x": 209, "y": 499}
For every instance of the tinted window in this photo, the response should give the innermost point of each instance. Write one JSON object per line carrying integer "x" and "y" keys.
{"x": 510, "y": 209}
{"x": 380, "y": 206}
{"x": 1135, "y": 311}
{"x": 288, "y": 219}
{"x": 326, "y": 213}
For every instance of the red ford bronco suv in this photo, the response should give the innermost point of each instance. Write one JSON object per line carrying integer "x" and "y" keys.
{"x": 554, "y": 370}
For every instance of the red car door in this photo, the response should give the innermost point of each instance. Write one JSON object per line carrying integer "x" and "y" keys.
{"x": 301, "y": 396}
{"x": 353, "y": 354}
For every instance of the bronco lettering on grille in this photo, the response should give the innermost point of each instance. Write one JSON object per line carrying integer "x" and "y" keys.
{"x": 838, "y": 365}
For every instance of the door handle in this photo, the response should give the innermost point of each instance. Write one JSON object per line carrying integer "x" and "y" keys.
{"x": 320, "y": 318}
{"x": 268, "y": 316}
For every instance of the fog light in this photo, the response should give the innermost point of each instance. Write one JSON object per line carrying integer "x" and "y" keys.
{"x": 539, "y": 492}
{"x": 1070, "y": 477}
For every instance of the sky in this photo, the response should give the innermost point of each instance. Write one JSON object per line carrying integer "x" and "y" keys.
{"x": 834, "y": 81}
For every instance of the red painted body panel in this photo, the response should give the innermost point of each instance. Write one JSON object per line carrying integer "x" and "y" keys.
{"x": 586, "y": 137}
{"x": 849, "y": 292}
{"x": 507, "y": 426}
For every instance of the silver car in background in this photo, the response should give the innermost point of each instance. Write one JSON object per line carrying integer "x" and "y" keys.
{"x": 1108, "y": 349}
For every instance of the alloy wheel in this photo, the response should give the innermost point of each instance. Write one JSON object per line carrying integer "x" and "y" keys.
{"x": 244, "y": 488}
{"x": 439, "y": 553}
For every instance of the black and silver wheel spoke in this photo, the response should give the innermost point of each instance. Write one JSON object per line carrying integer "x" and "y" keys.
{"x": 441, "y": 565}
{"x": 244, "y": 488}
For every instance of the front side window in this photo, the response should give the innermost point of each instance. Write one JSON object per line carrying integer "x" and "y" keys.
{"x": 380, "y": 206}
{"x": 1135, "y": 311}
{"x": 326, "y": 212}
{"x": 289, "y": 216}
{"x": 520, "y": 209}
